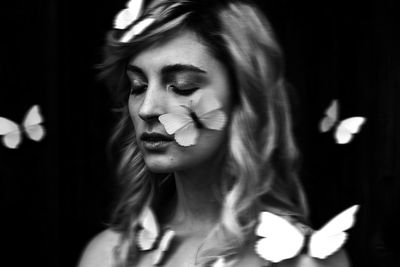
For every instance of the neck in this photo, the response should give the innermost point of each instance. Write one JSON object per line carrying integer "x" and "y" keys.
{"x": 197, "y": 204}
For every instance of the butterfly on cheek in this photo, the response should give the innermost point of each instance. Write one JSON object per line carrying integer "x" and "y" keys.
{"x": 280, "y": 240}
{"x": 343, "y": 130}
{"x": 203, "y": 113}
{"x": 31, "y": 125}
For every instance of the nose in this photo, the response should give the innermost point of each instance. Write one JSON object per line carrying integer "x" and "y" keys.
{"x": 153, "y": 104}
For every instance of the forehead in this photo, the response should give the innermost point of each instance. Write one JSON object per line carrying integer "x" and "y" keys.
{"x": 184, "y": 48}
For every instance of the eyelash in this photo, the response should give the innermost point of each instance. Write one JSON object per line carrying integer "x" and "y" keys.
{"x": 137, "y": 90}
{"x": 183, "y": 92}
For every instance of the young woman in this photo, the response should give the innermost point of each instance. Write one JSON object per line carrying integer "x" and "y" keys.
{"x": 204, "y": 139}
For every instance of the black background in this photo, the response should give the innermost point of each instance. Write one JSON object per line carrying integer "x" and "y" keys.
{"x": 58, "y": 193}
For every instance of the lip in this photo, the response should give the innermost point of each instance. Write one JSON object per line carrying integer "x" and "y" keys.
{"x": 155, "y": 141}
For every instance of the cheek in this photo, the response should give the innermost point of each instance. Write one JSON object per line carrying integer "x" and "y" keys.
{"x": 209, "y": 144}
{"x": 133, "y": 109}
{"x": 135, "y": 119}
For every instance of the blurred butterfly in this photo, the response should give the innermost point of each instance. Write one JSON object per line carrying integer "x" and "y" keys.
{"x": 163, "y": 246}
{"x": 345, "y": 129}
{"x": 204, "y": 113}
{"x": 220, "y": 262}
{"x": 127, "y": 16}
{"x": 148, "y": 236}
{"x": 281, "y": 240}
{"x": 12, "y": 132}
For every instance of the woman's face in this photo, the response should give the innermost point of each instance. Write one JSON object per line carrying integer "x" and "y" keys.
{"x": 164, "y": 77}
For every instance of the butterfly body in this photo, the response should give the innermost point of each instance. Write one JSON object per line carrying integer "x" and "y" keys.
{"x": 196, "y": 120}
{"x": 304, "y": 248}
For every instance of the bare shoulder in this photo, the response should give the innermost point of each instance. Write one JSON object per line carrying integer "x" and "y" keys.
{"x": 250, "y": 258}
{"x": 99, "y": 251}
{"x": 339, "y": 259}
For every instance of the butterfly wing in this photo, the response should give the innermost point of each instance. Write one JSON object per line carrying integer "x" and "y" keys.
{"x": 137, "y": 29}
{"x": 142, "y": 25}
{"x": 135, "y": 7}
{"x": 123, "y": 19}
{"x": 331, "y": 237}
{"x": 148, "y": 235}
{"x": 31, "y": 124}
{"x": 172, "y": 122}
{"x": 220, "y": 262}
{"x": 326, "y": 124}
{"x": 165, "y": 242}
{"x": 126, "y": 16}
{"x": 281, "y": 240}
{"x": 11, "y": 133}
{"x": 331, "y": 117}
{"x": 206, "y": 103}
{"x": 214, "y": 120}
{"x": 187, "y": 135}
{"x": 346, "y": 128}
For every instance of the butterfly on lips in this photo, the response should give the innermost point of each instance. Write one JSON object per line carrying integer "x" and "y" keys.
{"x": 345, "y": 129}
{"x": 31, "y": 125}
{"x": 202, "y": 113}
{"x": 281, "y": 240}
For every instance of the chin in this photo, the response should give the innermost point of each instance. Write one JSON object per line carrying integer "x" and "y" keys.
{"x": 159, "y": 169}
{"x": 160, "y": 165}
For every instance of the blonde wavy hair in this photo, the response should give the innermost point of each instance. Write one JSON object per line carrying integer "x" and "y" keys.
{"x": 261, "y": 161}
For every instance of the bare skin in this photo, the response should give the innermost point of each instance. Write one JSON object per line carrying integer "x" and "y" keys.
{"x": 99, "y": 254}
{"x": 196, "y": 169}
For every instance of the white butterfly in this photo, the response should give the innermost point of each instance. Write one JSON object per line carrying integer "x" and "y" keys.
{"x": 147, "y": 237}
{"x": 220, "y": 262}
{"x": 281, "y": 240}
{"x": 127, "y": 16}
{"x": 137, "y": 29}
{"x": 163, "y": 246}
{"x": 345, "y": 129}
{"x": 204, "y": 113}
{"x": 12, "y": 132}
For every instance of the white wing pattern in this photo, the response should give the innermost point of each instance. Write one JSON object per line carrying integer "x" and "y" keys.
{"x": 31, "y": 125}
{"x": 281, "y": 240}
{"x": 344, "y": 130}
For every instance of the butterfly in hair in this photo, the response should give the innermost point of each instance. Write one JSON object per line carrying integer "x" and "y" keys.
{"x": 129, "y": 16}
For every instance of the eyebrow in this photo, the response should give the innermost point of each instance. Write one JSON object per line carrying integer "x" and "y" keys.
{"x": 169, "y": 69}
{"x": 133, "y": 68}
{"x": 176, "y": 68}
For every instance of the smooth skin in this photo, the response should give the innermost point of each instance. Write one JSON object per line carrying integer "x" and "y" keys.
{"x": 99, "y": 254}
{"x": 163, "y": 77}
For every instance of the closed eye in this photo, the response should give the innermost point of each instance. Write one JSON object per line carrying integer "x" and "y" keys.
{"x": 182, "y": 91}
{"x": 137, "y": 89}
